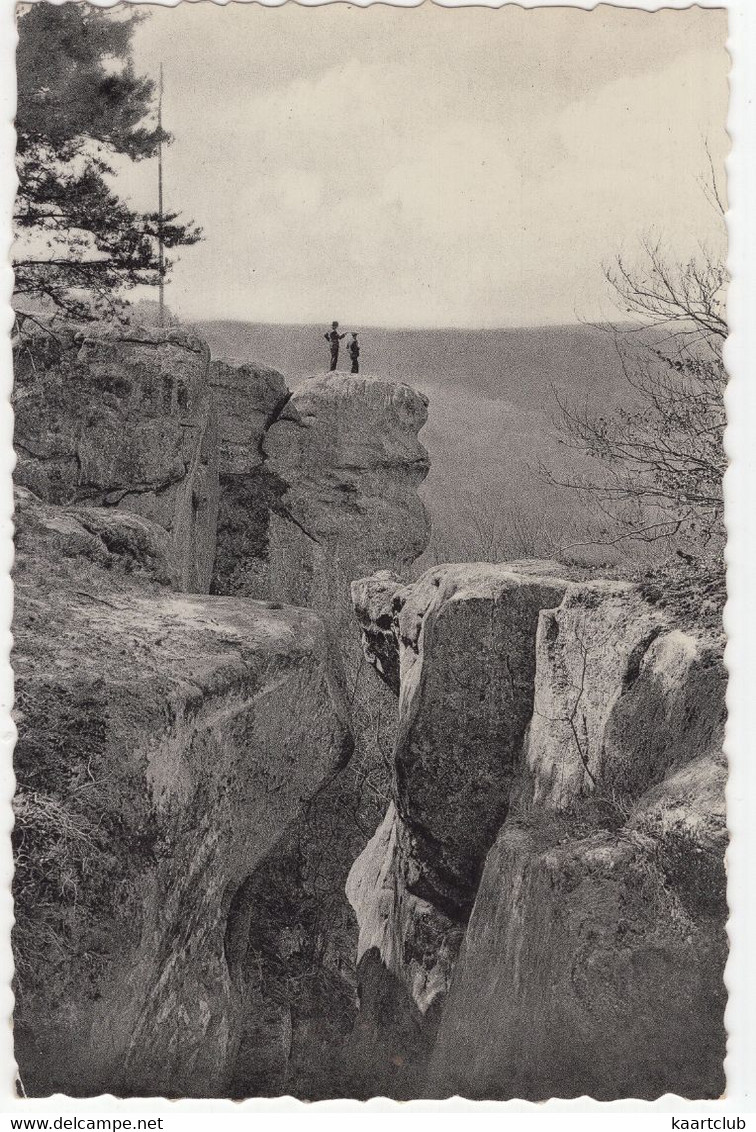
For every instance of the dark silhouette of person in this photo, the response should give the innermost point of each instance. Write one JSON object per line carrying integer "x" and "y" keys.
{"x": 334, "y": 338}
{"x": 353, "y": 348}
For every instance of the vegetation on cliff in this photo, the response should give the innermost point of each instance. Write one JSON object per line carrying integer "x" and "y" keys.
{"x": 661, "y": 454}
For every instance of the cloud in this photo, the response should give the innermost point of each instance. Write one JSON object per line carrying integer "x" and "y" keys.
{"x": 429, "y": 167}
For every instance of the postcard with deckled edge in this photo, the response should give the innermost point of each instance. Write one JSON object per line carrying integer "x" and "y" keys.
{"x": 370, "y": 694}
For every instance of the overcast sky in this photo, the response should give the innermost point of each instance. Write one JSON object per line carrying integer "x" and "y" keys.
{"x": 429, "y": 167}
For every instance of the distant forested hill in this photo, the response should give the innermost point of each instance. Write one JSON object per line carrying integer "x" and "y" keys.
{"x": 518, "y": 364}
{"x": 490, "y": 420}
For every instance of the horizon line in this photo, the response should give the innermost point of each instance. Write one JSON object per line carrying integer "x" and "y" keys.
{"x": 404, "y": 327}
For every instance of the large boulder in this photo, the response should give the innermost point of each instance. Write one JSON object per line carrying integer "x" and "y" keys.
{"x": 123, "y": 418}
{"x": 166, "y": 742}
{"x": 347, "y": 450}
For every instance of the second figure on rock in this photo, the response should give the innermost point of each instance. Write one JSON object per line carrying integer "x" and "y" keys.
{"x": 353, "y": 348}
{"x": 333, "y": 337}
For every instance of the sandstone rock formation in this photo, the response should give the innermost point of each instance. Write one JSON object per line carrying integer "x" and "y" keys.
{"x": 165, "y": 743}
{"x": 347, "y": 450}
{"x": 620, "y": 697}
{"x": 467, "y": 663}
{"x": 593, "y": 959}
{"x": 377, "y": 602}
{"x": 123, "y": 419}
{"x": 317, "y": 486}
{"x": 329, "y": 493}
{"x": 464, "y": 636}
{"x": 540, "y": 911}
{"x": 589, "y": 653}
{"x": 402, "y": 930}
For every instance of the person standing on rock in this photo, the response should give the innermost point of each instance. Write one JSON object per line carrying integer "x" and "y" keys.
{"x": 354, "y": 352}
{"x": 334, "y": 338}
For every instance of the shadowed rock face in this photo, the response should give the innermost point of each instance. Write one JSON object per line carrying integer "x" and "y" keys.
{"x": 347, "y": 450}
{"x": 249, "y": 398}
{"x": 159, "y": 759}
{"x": 124, "y": 419}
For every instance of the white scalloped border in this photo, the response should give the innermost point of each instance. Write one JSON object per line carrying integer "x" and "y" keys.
{"x": 740, "y": 622}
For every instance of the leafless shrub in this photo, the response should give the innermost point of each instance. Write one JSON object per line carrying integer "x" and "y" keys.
{"x": 661, "y": 455}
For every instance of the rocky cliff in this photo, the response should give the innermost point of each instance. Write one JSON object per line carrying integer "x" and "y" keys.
{"x": 541, "y": 908}
{"x": 173, "y": 745}
{"x": 558, "y": 813}
{"x": 159, "y": 759}
{"x": 123, "y": 420}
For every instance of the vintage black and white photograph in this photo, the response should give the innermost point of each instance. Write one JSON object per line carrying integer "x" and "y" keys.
{"x": 369, "y": 576}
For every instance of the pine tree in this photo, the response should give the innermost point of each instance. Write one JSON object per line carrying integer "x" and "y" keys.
{"x": 79, "y": 103}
